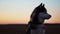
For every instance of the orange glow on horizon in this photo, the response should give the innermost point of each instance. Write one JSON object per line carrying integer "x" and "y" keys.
{"x": 19, "y": 11}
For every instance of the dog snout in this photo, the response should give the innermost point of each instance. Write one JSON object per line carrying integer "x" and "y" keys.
{"x": 49, "y": 16}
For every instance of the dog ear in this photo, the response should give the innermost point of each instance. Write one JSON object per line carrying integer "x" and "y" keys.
{"x": 40, "y": 5}
{"x": 43, "y": 5}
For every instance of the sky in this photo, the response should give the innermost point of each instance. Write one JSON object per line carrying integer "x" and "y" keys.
{"x": 19, "y": 11}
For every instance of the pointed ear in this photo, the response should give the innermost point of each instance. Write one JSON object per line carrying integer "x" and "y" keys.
{"x": 43, "y": 5}
{"x": 40, "y": 5}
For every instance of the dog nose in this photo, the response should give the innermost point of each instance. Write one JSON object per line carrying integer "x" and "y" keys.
{"x": 49, "y": 16}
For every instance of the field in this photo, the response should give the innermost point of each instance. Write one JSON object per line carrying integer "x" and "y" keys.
{"x": 20, "y": 28}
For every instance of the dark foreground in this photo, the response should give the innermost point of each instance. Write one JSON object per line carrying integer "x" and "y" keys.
{"x": 20, "y": 29}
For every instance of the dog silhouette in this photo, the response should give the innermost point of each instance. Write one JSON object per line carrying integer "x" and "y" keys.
{"x": 37, "y": 18}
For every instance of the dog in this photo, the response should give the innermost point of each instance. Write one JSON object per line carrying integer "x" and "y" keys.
{"x": 37, "y": 18}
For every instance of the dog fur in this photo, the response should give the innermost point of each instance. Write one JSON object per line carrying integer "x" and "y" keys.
{"x": 36, "y": 23}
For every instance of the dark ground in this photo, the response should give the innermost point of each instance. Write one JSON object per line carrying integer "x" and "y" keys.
{"x": 20, "y": 29}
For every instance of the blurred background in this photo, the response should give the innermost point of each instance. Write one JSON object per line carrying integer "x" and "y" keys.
{"x": 19, "y": 11}
{"x": 15, "y": 14}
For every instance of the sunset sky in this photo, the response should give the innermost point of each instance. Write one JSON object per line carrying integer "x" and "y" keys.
{"x": 19, "y": 11}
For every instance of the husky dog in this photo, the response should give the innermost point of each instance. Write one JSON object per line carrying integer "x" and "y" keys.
{"x": 36, "y": 23}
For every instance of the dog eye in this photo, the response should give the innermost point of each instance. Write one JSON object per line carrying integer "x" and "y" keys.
{"x": 45, "y": 12}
